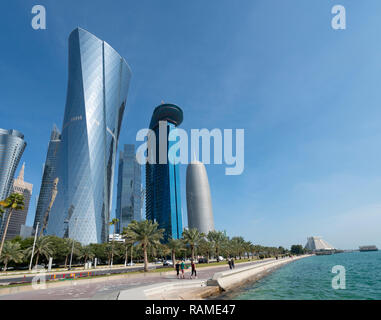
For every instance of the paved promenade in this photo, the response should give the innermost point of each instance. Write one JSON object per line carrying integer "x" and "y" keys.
{"x": 108, "y": 288}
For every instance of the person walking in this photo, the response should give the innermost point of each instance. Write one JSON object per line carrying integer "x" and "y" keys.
{"x": 230, "y": 263}
{"x": 178, "y": 269}
{"x": 182, "y": 267}
{"x": 194, "y": 272}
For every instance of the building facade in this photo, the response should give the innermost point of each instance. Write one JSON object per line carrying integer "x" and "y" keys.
{"x": 199, "y": 201}
{"x": 12, "y": 146}
{"x": 18, "y": 217}
{"x": 129, "y": 189}
{"x": 163, "y": 197}
{"x": 48, "y": 176}
{"x": 96, "y": 98}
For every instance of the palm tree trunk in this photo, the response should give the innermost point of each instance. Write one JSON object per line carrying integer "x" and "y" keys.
{"x": 5, "y": 264}
{"x": 173, "y": 259}
{"x": 66, "y": 261}
{"x": 125, "y": 260}
{"x": 38, "y": 254}
{"x": 132, "y": 246}
{"x": 192, "y": 252}
{"x": 5, "y": 231}
{"x": 145, "y": 259}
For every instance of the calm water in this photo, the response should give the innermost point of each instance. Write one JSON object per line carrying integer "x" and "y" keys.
{"x": 311, "y": 278}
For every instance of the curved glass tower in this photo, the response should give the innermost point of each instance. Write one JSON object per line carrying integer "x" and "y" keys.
{"x": 12, "y": 146}
{"x": 163, "y": 198}
{"x": 96, "y": 97}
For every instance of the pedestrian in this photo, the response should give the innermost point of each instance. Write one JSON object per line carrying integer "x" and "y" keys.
{"x": 232, "y": 263}
{"x": 178, "y": 269}
{"x": 194, "y": 272}
{"x": 182, "y": 267}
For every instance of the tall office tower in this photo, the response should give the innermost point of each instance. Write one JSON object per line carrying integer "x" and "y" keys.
{"x": 96, "y": 97}
{"x": 18, "y": 217}
{"x": 163, "y": 198}
{"x": 12, "y": 146}
{"x": 48, "y": 176}
{"x": 199, "y": 202}
{"x": 129, "y": 192}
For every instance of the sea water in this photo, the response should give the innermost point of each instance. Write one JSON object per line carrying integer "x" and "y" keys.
{"x": 311, "y": 279}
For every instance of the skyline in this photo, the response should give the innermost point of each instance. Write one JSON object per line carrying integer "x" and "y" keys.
{"x": 308, "y": 100}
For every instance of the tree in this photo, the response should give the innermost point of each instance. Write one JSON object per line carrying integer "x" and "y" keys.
{"x": 175, "y": 245}
{"x": 43, "y": 247}
{"x": 192, "y": 237}
{"x": 113, "y": 222}
{"x": 146, "y": 234}
{"x": 11, "y": 253}
{"x": 205, "y": 248}
{"x": 129, "y": 242}
{"x": 238, "y": 245}
{"x": 297, "y": 249}
{"x": 217, "y": 238}
{"x": 14, "y": 202}
{"x": 86, "y": 253}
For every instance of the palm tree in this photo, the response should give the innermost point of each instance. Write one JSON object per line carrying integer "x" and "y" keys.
{"x": 14, "y": 202}
{"x": 238, "y": 246}
{"x": 86, "y": 252}
{"x": 217, "y": 238}
{"x": 43, "y": 247}
{"x": 11, "y": 253}
{"x": 206, "y": 248}
{"x": 129, "y": 242}
{"x": 147, "y": 234}
{"x": 193, "y": 238}
{"x": 113, "y": 222}
{"x": 175, "y": 245}
{"x": 1, "y": 211}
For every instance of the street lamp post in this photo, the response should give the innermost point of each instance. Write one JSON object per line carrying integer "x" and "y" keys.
{"x": 34, "y": 244}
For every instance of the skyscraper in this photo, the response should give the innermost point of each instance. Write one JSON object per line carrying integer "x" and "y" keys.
{"x": 96, "y": 97}
{"x": 129, "y": 191}
{"x": 18, "y": 217}
{"x": 199, "y": 202}
{"x": 163, "y": 198}
{"x": 48, "y": 176}
{"x": 12, "y": 146}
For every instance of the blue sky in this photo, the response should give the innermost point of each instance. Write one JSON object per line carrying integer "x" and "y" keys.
{"x": 307, "y": 96}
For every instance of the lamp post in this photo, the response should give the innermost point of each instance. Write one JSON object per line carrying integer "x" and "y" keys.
{"x": 34, "y": 244}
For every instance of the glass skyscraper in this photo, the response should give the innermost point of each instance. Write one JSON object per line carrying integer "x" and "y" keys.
{"x": 163, "y": 198}
{"x": 48, "y": 176}
{"x": 96, "y": 97}
{"x": 129, "y": 191}
{"x": 12, "y": 146}
{"x": 18, "y": 217}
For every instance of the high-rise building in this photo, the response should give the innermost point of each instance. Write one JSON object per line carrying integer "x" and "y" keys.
{"x": 163, "y": 197}
{"x": 48, "y": 176}
{"x": 129, "y": 190}
{"x": 199, "y": 201}
{"x": 18, "y": 217}
{"x": 12, "y": 146}
{"x": 96, "y": 98}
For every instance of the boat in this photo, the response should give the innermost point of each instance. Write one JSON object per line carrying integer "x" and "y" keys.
{"x": 368, "y": 248}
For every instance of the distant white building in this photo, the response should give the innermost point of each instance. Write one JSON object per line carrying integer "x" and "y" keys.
{"x": 118, "y": 237}
{"x": 317, "y": 244}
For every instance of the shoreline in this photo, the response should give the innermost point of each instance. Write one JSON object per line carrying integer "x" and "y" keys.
{"x": 213, "y": 288}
